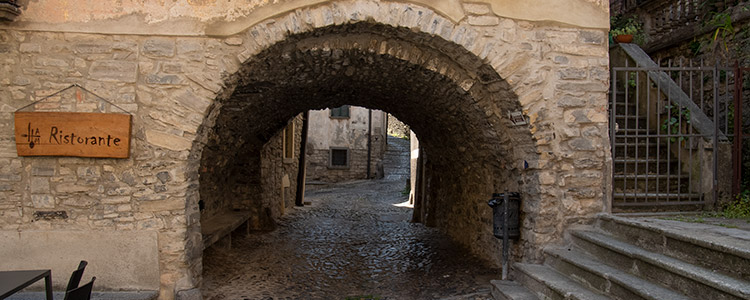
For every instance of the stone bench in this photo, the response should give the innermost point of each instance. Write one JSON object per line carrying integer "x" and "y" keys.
{"x": 222, "y": 225}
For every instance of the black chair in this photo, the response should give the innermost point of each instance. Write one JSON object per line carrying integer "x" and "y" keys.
{"x": 82, "y": 292}
{"x": 75, "y": 278}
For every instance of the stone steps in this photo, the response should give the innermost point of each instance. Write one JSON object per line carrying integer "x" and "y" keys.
{"x": 648, "y": 149}
{"x": 724, "y": 249}
{"x": 638, "y": 152}
{"x": 678, "y": 198}
{"x": 637, "y": 166}
{"x": 396, "y": 159}
{"x": 548, "y": 283}
{"x": 602, "y": 277}
{"x": 643, "y": 258}
{"x": 510, "y": 290}
{"x": 653, "y": 184}
{"x": 677, "y": 274}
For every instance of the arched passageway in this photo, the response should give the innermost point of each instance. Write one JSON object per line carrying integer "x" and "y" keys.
{"x": 453, "y": 101}
{"x": 210, "y": 84}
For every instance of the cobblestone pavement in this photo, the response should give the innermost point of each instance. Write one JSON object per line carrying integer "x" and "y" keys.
{"x": 352, "y": 242}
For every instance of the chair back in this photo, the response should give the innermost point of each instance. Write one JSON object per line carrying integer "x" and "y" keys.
{"x": 75, "y": 278}
{"x": 82, "y": 292}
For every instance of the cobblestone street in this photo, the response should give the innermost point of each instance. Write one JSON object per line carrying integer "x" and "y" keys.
{"x": 352, "y": 241}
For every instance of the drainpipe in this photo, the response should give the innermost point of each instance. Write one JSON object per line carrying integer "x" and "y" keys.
{"x": 418, "y": 215}
{"x": 300, "y": 199}
{"x": 369, "y": 141}
{"x": 387, "y": 121}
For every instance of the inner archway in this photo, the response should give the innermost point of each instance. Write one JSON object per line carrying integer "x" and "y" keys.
{"x": 455, "y": 103}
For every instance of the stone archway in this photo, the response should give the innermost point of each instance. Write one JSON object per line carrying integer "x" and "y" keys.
{"x": 453, "y": 100}
{"x": 457, "y": 117}
{"x": 328, "y": 56}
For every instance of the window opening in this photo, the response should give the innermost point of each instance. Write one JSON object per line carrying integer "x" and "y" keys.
{"x": 341, "y": 112}
{"x": 288, "y": 145}
{"x": 339, "y": 158}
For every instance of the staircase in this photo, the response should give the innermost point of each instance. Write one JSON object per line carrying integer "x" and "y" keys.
{"x": 654, "y": 172}
{"x": 396, "y": 160}
{"x": 646, "y": 171}
{"x": 638, "y": 258}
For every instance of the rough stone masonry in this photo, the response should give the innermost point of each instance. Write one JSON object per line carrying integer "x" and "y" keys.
{"x": 211, "y": 84}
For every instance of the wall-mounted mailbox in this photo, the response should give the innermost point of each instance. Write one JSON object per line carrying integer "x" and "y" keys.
{"x": 514, "y": 204}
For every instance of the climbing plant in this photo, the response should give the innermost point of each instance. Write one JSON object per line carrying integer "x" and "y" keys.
{"x": 723, "y": 30}
{"x": 677, "y": 116}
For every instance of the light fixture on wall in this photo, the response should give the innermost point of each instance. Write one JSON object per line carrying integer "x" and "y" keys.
{"x": 8, "y": 10}
{"x": 517, "y": 118}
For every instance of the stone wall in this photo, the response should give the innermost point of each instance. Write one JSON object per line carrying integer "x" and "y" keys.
{"x": 266, "y": 195}
{"x": 318, "y": 169}
{"x": 192, "y": 74}
{"x": 279, "y": 176}
{"x": 397, "y": 128}
{"x": 350, "y": 133}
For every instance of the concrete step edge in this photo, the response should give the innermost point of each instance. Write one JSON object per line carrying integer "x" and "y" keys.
{"x": 724, "y": 283}
{"x": 706, "y": 242}
{"x": 510, "y": 290}
{"x": 634, "y": 284}
{"x": 557, "y": 283}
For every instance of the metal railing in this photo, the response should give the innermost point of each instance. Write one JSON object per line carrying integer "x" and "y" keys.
{"x": 667, "y": 123}
{"x": 738, "y": 136}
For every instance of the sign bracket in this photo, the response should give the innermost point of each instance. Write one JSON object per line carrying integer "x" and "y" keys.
{"x": 70, "y": 87}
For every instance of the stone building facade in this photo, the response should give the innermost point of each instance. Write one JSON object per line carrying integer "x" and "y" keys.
{"x": 341, "y": 145}
{"x": 211, "y": 85}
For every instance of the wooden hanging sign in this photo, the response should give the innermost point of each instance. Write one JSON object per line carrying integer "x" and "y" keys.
{"x": 72, "y": 134}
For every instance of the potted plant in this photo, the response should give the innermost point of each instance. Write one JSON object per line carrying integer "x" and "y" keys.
{"x": 625, "y": 30}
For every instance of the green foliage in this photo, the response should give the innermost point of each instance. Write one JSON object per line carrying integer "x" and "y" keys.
{"x": 677, "y": 116}
{"x": 631, "y": 79}
{"x": 719, "y": 18}
{"x": 739, "y": 208}
{"x": 724, "y": 28}
{"x": 619, "y": 25}
{"x": 630, "y": 26}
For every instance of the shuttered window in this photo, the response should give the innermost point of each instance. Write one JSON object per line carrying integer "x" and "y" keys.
{"x": 340, "y": 112}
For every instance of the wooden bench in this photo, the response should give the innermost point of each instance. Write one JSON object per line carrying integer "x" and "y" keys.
{"x": 222, "y": 225}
